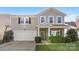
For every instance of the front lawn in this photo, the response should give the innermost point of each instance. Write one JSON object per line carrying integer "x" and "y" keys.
{"x": 58, "y": 47}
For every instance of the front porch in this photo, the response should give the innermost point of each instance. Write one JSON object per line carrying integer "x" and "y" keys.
{"x": 46, "y": 32}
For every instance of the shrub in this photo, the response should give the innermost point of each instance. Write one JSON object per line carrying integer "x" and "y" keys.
{"x": 56, "y": 39}
{"x": 67, "y": 40}
{"x": 51, "y": 37}
{"x": 8, "y": 36}
{"x": 38, "y": 39}
{"x": 71, "y": 36}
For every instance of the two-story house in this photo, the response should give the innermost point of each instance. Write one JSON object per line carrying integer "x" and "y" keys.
{"x": 44, "y": 24}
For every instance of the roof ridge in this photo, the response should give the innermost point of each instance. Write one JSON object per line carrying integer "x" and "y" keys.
{"x": 51, "y": 8}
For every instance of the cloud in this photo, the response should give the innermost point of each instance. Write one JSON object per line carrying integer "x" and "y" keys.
{"x": 69, "y": 18}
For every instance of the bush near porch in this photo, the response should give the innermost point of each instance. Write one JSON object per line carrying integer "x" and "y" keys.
{"x": 38, "y": 39}
{"x": 71, "y": 37}
{"x": 56, "y": 39}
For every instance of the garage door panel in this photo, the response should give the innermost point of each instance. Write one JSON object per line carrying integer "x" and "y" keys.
{"x": 23, "y": 35}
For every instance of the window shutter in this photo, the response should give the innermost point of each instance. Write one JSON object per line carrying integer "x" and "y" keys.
{"x": 29, "y": 20}
{"x": 18, "y": 20}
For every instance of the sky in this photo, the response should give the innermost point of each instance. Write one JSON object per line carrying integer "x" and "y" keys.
{"x": 71, "y": 12}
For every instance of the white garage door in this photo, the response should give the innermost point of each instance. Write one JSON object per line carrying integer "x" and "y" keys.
{"x": 24, "y": 35}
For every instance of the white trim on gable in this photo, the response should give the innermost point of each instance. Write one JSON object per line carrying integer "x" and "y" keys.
{"x": 53, "y": 9}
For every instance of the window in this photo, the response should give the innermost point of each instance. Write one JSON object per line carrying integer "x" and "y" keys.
{"x": 51, "y": 19}
{"x": 24, "y": 20}
{"x": 42, "y": 19}
{"x": 55, "y": 32}
{"x": 59, "y": 18}
{"x": 21, "y": 20}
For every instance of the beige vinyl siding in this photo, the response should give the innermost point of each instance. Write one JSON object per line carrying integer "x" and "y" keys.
{"x": 15, "y": 25}
{"x": 52, "y": 13}
{"x": 35, "y": 19}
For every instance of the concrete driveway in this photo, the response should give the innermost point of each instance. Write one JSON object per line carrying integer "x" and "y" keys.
{"x": 18, "y": 46}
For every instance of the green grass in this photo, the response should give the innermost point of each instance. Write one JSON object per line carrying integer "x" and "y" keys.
{"x": 58, "y": 47}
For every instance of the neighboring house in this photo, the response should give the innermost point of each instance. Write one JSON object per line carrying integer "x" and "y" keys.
{"x": 44, "y": 24}
{"x": 69, "y": 25}
{"x": 73, "y": 25}
{"x": 77, "y": 24}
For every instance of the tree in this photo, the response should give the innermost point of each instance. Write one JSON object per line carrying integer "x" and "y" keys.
{"x": 8, "y": 35}
{"x": 72, "y": 35}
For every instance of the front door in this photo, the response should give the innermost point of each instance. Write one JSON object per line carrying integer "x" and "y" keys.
{"x": 43, "y": 35}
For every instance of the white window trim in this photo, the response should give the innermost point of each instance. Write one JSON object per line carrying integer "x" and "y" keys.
{"x": 24, "y": 19}
{"x": 57, "y": 20}
{"x": 44, "y": 19}
{"x": 49, "y": 19}
{"x": 20, "y": 20}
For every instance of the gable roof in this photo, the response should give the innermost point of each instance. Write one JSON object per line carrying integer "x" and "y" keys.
{"x": 51, "y": 9}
